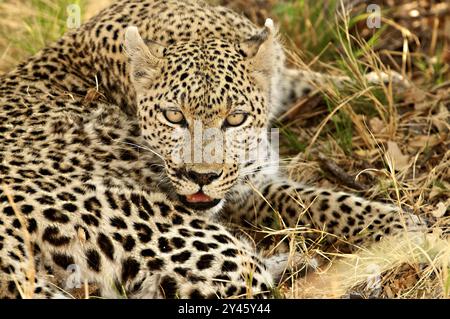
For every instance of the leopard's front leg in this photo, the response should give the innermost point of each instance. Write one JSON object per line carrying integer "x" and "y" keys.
{"x": 317, "y": 213}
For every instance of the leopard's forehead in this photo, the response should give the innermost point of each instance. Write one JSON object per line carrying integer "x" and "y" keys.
{"x": 207, "y": 78}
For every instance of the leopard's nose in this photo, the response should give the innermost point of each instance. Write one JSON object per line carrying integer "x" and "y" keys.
{"x": 202, "y": 178}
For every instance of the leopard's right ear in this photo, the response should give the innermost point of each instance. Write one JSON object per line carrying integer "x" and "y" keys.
{"x": 144, "y": 57}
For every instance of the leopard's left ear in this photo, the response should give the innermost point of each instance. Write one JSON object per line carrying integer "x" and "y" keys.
{"x": 145, "y": 58}
{"x": 261, "y": 49}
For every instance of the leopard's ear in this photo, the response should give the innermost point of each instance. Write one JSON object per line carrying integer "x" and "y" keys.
{"x": 260, "y": 50}
{"x": 145, "y": 58}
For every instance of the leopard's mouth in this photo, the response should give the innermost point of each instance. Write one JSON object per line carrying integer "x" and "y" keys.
{"x": 199, "y": 201}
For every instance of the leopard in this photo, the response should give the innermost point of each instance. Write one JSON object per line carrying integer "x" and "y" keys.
{"x": 90, "y": 186}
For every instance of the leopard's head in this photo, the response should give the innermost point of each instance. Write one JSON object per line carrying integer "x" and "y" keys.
{"x": 203, "y": 107}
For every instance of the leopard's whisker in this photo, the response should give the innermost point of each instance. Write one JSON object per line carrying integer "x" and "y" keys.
{"x": 145, "y": 148}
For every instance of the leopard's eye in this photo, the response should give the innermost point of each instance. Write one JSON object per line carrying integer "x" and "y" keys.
{"x": 235, "y": 119}
{"x": 174, "y": 116}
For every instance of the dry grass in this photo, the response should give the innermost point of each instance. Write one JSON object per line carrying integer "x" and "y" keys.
{"x": 28, "y": 25}
{"x": 27, "y": 289}
{"x": 390, "y": 146}
{"x": 412, "y": 267}
{"x": 395, "y": 145}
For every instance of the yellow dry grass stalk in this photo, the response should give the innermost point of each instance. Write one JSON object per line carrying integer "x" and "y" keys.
{"x": 27, "y": 290}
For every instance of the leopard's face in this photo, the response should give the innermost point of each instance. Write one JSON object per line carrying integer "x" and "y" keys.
{"x": 202, "y": 110}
